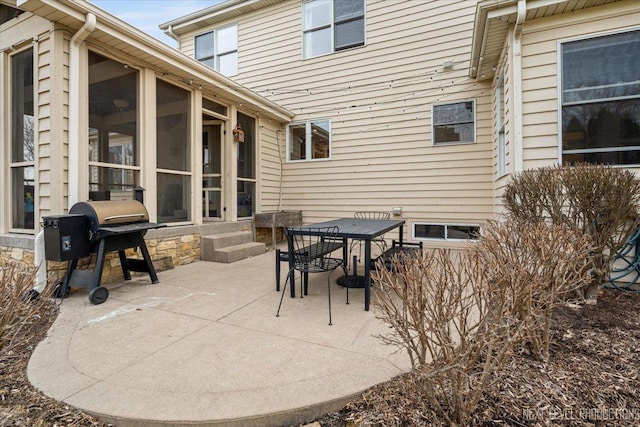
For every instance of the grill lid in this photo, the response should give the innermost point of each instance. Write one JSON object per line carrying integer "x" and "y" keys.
{"x": 111, "y": 212}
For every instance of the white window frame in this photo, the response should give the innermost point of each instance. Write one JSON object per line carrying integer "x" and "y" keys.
{"x": 217, "y": 53}
{"x": 25, "y": 163}
{"x": 433, "y": 123}
{"x": 561, "y": 104}
{"x": 446, "y": 237}
{"x": 308, "y": 137}
{"x": 331, "y": 26}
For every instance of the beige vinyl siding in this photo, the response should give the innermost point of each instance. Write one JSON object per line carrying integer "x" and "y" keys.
{"x": 270, "y": 165}
{"x": 53, "y": 116}
{"x": 379, "y": 99}
{"x": 541, "y": 120}
{"x": 33, "y": 31}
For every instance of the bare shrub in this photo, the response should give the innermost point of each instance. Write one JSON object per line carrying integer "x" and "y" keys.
{"x": 597, "y": 200}
{"x": 439, "y": 312}
{"x": 537, "y": 265}
{"x": 20, "y": 314}
{"x": 460, "y": 315}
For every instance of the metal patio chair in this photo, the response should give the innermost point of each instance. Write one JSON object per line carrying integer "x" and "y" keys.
{"x": 310, "y": 250}
{"x": 378, "y": 241}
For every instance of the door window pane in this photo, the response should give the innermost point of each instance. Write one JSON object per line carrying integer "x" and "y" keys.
{"x": 246, "y": 149}
{"x": 246, "y": 198}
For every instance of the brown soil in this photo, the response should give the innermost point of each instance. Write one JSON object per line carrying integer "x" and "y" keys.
{"x": 591, "y": 379}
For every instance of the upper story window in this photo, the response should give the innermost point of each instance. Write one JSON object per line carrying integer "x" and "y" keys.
{"x": 219, "y": 49}
{"x": 310, "y": 140}
{"x": 454, "y": 123}
{"x": 332, "y": 25}
{"x": 7, "y": 13}
{"x": 601, "y": 100}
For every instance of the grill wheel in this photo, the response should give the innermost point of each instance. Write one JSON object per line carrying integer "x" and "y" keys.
{"x": 98, "y": 295}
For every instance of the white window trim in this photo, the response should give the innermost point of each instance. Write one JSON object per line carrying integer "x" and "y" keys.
{"x": 446, "y": 226}
{"x": 216, "y": 54}
{"x": 331, "y": 25}
{"x": 559, "y": 44}
{"x": 433, "y": 128}
{"x": 308, "y": 147}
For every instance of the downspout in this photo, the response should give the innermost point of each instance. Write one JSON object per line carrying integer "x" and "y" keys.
{"x": 170, "y": 33}
{"x": 74, "y": 106}
{"x": 40, "y": 264}
{"x": 517, "y": 86}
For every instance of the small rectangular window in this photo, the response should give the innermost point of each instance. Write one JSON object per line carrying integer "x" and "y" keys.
{"x": 445, "y": 231}
{"x": 310, "y": 140}
{"x": 454, "y": 123}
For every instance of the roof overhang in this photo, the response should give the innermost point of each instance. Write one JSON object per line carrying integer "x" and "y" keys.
{"x": 493, "y": 20}
{"x": 213, "y": 15}
{"x": 130, "y": 42}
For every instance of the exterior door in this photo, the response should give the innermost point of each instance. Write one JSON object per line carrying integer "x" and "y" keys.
{"x": 212, "y": 170}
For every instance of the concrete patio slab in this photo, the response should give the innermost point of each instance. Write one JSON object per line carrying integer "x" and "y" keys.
{"x": 204, "y": 347}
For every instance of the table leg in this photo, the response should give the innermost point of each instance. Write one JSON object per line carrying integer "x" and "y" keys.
{"x": 367, "y": 273}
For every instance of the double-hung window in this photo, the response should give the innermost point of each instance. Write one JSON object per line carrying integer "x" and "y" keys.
{"x": 219, "y": 49}
{"x": 310, "y": 140}
{"x": 601, "y": 99}
{"x": 454, "y": 123}
{"x": 332, "y": 25}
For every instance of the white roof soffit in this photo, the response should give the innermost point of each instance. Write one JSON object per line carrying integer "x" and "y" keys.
{"x": 212, "y": 15}
{"x": 151, "y": 52}
{"x": 495, "y": 17}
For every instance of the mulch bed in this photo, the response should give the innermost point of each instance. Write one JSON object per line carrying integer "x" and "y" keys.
{"x": 591, "y": 379}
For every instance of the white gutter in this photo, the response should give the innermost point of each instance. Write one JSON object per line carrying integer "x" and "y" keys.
{"x": 517, "y": 86}
{"x": 74, "y": 106}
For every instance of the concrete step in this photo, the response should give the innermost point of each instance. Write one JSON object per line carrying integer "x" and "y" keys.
{"x": 234, "y": 253}
{"x": 223, "y": 240}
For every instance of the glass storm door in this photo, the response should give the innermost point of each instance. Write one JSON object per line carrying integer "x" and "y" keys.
{"x": 212, "y": 208}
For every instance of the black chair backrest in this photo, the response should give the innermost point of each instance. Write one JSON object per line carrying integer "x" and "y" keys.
{"x": 372, "y": 215}
{"x": 311, "y": 246}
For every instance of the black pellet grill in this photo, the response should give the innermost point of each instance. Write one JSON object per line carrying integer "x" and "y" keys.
{"x": 98, "y": 227}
